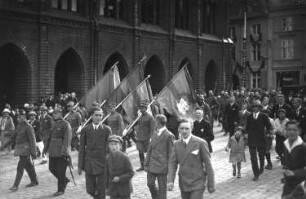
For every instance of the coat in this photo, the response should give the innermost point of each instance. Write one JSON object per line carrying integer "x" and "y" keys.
{"x": 195, "y": 165}
{"x": 237, "y": 152}
{"x": 25, "y": 144}
{"x": 145, "y": 127}
{"x": 231, "y": 113}
{"x": 93, "y": 149}
{"x": 59, "y": 142}
{"x": 118, "y": 164}
{"x": 204, "y": 130}
{"x": 7, "y": 128}
{"x": 35, "y": 124}
{"x": 159, "y": 152}
{"x": 295, "y": 160}
{"x": 257, "y": 128}
{"x": 46, "y": 124}
{"x": 75, "y": 120}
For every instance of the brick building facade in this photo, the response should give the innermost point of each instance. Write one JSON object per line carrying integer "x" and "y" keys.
{"x": 53, "y": 46}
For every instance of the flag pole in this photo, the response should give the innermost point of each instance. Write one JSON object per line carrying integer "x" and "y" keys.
{"x": 103, "y": 120}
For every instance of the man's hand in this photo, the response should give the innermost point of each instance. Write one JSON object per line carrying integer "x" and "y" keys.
{"x": 116, "y": 179}
{"x": 170, "y": 186}
{"x": 211, "y": 189}
{"x": 79, "y": 171}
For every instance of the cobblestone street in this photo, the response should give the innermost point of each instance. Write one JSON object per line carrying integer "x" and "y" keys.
{"x": 227, "y": 187}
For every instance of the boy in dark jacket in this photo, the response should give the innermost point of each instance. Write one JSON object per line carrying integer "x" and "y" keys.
{"x": 119, "y": 171}
{"x": 294, "y": 158}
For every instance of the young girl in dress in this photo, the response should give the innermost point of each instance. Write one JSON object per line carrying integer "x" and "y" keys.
{"x": 236, "y": 144}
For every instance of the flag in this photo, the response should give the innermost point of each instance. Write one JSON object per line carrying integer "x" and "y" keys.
{"x": 141, "y": 93}
{"x": 178, "y": 96}
{"x": 102, "y": 89}
{"x": 127, "y": 85}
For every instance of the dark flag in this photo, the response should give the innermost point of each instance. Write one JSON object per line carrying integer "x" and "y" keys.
{"x": 178, "y": 96}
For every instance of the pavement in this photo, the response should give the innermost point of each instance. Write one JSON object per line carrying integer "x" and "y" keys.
{"x": 227, "y": 187}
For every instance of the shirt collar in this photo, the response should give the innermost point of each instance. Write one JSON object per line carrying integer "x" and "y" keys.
{"x": 296, "y": 143}
{"x": 187, "y": 139}
{"x": 95, "y": 126}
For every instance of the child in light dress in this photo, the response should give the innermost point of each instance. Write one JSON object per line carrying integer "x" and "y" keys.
{"x": 236, "y": 144}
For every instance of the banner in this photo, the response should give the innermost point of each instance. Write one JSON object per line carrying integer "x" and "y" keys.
{"x": 103, "y": 88}
{"x": 178, "y": 96}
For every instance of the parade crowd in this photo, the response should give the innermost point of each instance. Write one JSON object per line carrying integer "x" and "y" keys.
{"x": 49, "y": 130}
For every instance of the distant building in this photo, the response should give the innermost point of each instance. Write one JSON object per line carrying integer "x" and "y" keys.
{"x": 276, "y": 44}
{"x": 57, "y": 46}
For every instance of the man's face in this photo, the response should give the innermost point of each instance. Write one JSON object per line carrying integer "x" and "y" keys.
{"x": 296, "y": 104}
{"x": 185, "y": 129}
{"x": 292, "y": 131}
{"x": 32, "y": 117}
{"x": 199, "y": 114}
{"x": 70, "y": 106}
{"x": 232, "y": 100}
{"x": 265, "y": 101}
{"x": 143, "y": 109}
{"x": 281, "y": 115}
{"x": 281, "y": 100}
{"x": 57, "y": 115}
{"x": 255, "y": 109}
{"x": 114, "y": 146}
{"x": 97, "y": 117}
{"x": 22, "y": 118}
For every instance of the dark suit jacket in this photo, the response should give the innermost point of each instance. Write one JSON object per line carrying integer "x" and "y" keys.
{"x": 275, "y": 108}
{"x": 231, "y": 115}
{"x": 195, "y": 165}
{"x": 93, "y": 149}
{"x": 118, "y": 164}
{"x": 301, "y": 117}
{"x": 204, "y": 130}
{"x": 159, "y": 152}
{"x": 256, "y": 128}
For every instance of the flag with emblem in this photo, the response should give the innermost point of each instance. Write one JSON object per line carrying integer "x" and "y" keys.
{"x": 178, "y": 97}
{"x": 104, "y": 87}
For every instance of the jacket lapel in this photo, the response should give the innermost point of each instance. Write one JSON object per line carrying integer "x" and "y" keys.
{"x": 188, "y": 149}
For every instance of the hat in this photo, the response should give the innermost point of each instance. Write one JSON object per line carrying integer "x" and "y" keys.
{"x": 281, "y": 110}
{"x": 281, "y": 95}
{"x": 32, "y": 113}
{"x": 143, "y": 104}
{"x": 26, "y": 105}
{"x": 22, "y": 112}
{"x": 43, "y": 108}
{"x": 114, "y": 138}
{"x": 6, "y": 110}
{"x": 111, "y": 104}
{"x": 239, "y": 128}
{"x": 257, "y": 103}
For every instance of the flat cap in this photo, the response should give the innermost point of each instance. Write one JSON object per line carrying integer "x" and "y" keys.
{"x": 114, "y": 138}
{"x": 281, "y": 110}
{"x": 6, "y": 110}
{"x": 143, "y": 103}
{"x": 32, "y": 113}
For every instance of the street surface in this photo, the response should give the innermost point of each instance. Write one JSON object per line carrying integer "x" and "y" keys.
{"x": 227, "y": 186}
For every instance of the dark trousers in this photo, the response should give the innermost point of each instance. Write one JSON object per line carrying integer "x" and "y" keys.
{"x": 58, "y": 166}
{"x": 120, "y": 197}
{"x": 95, "y": 185}
{"x": 254, "y": 161}
{"x": 279, "y": 146}
{"x": 161, "y": 192}
{"x": 25, "y": 163}
{"x": 196, "y": 194}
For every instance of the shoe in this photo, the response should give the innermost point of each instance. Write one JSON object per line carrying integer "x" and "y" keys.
{"x": 255, "y": 178}
{"x": 269, "y": 167}
{"x": 43, "y": 162}
{"x": 140, "y": 169}
{"x": 239, "y": 175}
{"x": 59, "y": 193}
{"x": 32, "y": 184}
{"x": 261, "y": 170}
{"x": 14, "y": 188}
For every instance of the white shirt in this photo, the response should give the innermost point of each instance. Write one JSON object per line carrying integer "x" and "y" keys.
{"x": 255, "y": 115}
{"x": 187, "y": 139}
{"x": 160, "y": 130}
{"x": 296, "y": 143}
{"x": 95, "y": 126}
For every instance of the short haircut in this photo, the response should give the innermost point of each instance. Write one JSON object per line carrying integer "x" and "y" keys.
{"x": 294, "y": 122}
{"x": 161, "y": 119}
{"x": 96, "y": 109}
{"x": 185, "y": 120}
{"x": 199, "y": 108}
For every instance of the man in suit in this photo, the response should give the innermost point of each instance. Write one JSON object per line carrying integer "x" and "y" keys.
{"x": 58, "y": 146}
{"x": 299, "y": 114}
{"x": 25, "y": 148}
{"x": 46, "y": 124}
{"x": 281, "y": 105}
{"x": 203, "y": 129}
{"x": 192, "y": 155}
{"x": 231, "y": 115}
{"x": 257, "y": 124}
{"x": 92, "y": 154}
{"x": 157, "y": 159}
